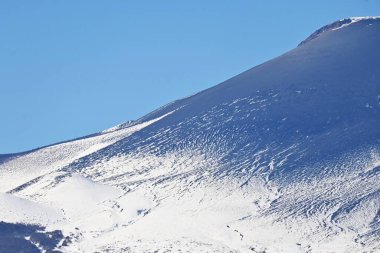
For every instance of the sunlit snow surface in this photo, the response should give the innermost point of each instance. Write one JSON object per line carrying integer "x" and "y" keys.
{"x": 282, "y": 158}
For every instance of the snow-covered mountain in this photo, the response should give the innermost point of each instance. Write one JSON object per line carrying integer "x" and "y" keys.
{"x": 284, "y": 157}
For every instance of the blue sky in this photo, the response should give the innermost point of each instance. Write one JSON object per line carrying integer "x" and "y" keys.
{"x": 71, "y": 68}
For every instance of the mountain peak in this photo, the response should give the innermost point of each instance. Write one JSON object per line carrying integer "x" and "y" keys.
{"x": 338, "y": 25}
{"x": 284, "y": 157}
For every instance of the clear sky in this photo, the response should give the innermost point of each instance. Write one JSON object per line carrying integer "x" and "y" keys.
{"x": 72, "y": 68}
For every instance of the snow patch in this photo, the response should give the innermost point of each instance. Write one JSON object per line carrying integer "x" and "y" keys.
{"x": 337, "y": 25}
{"x": 15, "y": 210}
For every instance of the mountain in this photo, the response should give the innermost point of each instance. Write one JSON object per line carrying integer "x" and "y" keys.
{"x": 284, "y": 157}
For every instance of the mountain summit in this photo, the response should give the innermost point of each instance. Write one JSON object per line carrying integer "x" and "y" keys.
{"x": 284, "y": 157}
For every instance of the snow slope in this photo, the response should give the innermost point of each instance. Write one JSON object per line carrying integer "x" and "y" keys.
{"x": 284, "y": 157}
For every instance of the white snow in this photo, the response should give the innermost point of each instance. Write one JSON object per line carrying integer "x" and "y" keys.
{"x": 15, "y": 209}
{"x": 356, "y": 19}
{"x": 46, "y": 160}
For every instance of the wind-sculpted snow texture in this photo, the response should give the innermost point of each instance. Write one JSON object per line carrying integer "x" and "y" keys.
{"x": 284, "y": 157}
